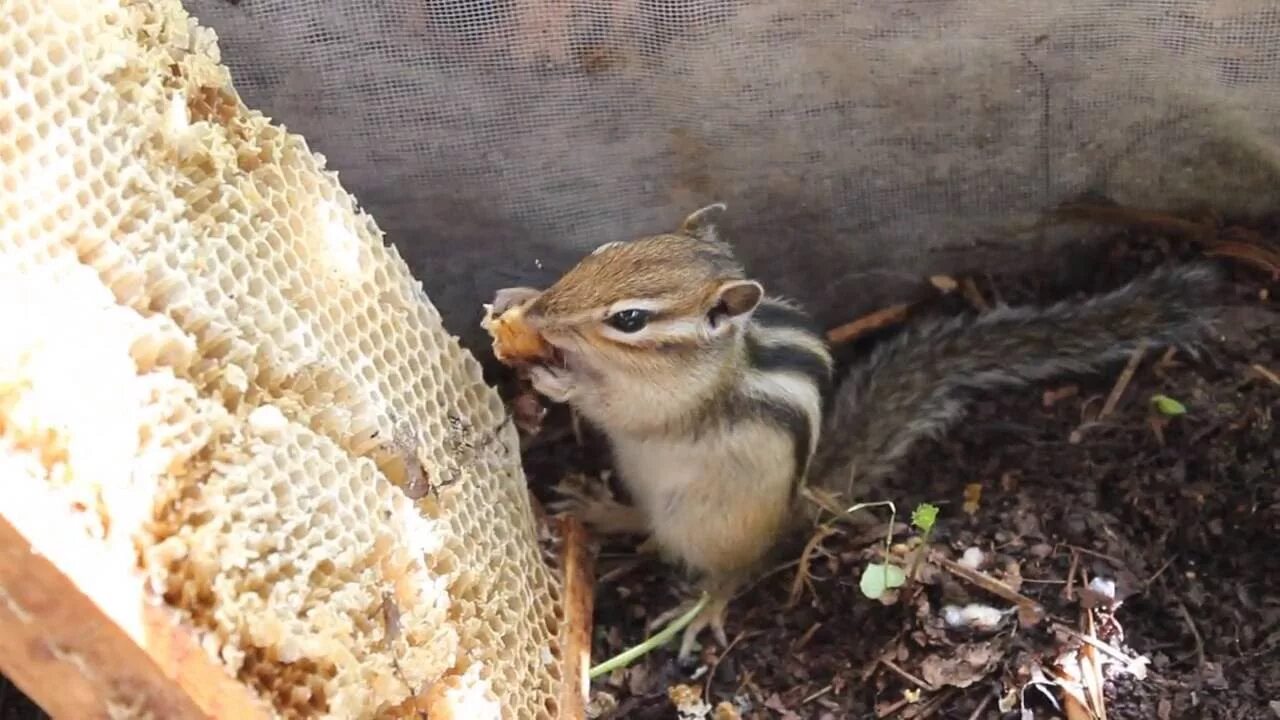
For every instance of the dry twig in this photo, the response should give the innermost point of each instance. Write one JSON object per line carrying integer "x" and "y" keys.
{"x": 575, "y": 633}
{"x": 711, "y": 672}
{"x": 918, "y": 682}
{"x": 1259, "y": 257}
{"x": 867, "y": 324}
{"x": 1122, "y": 382}
{"x": 1069, "y": 592}
{"x": 971, "y": 293}
{"x": 1195, "y": 632}
{"x": 1091, "y": 670}
{"x": 1029, "y": 611}
{"x": 1264, "y": 372}
{"x": 1100, "y": 555}
{"x": 1105, "y": 647}
{"x": 977, "y": 712}
{"x": 802, "y": 573}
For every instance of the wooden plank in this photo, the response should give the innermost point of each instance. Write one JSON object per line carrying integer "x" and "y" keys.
{"x": 79, "y": 631}
{"x": 578, "y": 599}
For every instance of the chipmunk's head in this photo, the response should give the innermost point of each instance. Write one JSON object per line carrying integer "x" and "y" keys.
{"x": 649, "y": 302}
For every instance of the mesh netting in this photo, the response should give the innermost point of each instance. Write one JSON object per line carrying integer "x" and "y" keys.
{"x": 859, "y": 144}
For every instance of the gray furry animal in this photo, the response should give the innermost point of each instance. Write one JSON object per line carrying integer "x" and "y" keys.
{"x": 717, "y": 401}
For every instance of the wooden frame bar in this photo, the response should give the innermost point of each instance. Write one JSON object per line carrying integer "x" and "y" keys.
{"x": 579, "y": 599}
{"x": 79, "y": 632}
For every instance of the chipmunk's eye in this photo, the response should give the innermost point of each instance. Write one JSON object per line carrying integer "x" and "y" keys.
{"x": 629, "y": 321}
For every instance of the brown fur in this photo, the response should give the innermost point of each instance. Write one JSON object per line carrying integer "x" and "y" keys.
{"x": 667, "y": 266}
{"x": 711, "y": 435}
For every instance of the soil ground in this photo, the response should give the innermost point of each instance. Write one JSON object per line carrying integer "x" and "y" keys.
{"x": 1152, "y": 536}
{"x": 1180, "y": 513}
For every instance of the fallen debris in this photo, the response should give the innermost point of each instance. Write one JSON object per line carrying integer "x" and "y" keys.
{"x": 1171, "y": 539}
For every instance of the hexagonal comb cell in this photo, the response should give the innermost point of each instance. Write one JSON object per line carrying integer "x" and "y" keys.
{"x": 224, "y": 357}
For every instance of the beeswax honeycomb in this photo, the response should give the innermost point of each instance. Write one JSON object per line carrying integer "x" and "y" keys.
{"x": 210, "y": 351}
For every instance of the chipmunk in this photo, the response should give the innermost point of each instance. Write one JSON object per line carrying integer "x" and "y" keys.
{"x": 717, "y": 399}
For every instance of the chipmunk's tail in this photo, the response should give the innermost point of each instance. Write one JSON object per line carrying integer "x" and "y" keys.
{"x": 919, "y": 384}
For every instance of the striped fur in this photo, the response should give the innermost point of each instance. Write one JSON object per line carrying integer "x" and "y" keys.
{"x": 720, "y": 407}
{"x": 919, "y": 384}
{"x": 713, "y": 409}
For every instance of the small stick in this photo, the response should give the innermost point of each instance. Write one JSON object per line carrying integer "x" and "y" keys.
{"x": 971, "y": 293}
{"x": 866, "y": 324}
{"x": 1114, "y": 652}
{"x": 1259, "y": 257}
{"x": 711, "y": 673}
{"x": 1069, "y": 592}
{"x": 1109, "y": 558}
{"x": 806, "y": 637}
{"x": 619, "y": 571}
{"x": 575, "y": 422}
{"x": 802, "y": 574}
{"x": 816, "y": 695}
{"x": 935, "y": 703}
{"x": 575, "y": 634}
{"x": 907, "y": 676}
{"x": 1264, "y": 372}
{"x": 1122, "y": 382}
{"x": 977, "y": 712}
{"x": 1195, "y": 632}
{"x": 893, "y": 709}
{"x": 1159, "y": 572}
{"x": 1091, "y": 670}
{"x": 752, "y": 585}
{"x": 990, "y": 584}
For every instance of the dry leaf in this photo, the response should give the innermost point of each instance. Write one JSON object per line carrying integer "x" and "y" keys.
{"x": 970, "y": 663}
{"x": 972, "y": 497}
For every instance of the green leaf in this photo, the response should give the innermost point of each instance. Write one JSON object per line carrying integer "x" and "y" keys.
{"x": 1168, "y": 406}
{"x": 877, "y": 578}
{"x": 924, "y": 516}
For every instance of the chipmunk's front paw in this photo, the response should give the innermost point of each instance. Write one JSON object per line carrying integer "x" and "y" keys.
{"x": 556, "y": 384}
{"x": 603, "y": 515}
{"x": 507, "y": 298}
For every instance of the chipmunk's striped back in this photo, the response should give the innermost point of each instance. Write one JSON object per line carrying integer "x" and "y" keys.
{"x": 787, "y": 374}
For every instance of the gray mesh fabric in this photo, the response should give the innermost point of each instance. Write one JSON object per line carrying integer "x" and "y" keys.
{"x": 859, "y": 144}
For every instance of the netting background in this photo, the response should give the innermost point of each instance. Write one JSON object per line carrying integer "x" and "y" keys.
{"x": 859, "y": 144}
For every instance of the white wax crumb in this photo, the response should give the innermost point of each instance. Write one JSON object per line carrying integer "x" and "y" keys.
{"x": 973, "y": 615}
{"x": 267, "y": 420}
{"x": 973, "y": 558}
{"x": 1104, "y": 588}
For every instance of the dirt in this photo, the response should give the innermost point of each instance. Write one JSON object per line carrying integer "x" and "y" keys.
{"x": 1150, "y": 536}
{"x": 16, "y": 706}
{"x": 1180, "y": 513}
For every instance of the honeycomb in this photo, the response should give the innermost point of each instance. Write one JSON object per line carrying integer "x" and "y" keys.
{"x": 211, "y": 354}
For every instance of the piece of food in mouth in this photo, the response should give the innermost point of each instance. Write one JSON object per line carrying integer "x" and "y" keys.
{"x": 514, "y": 341}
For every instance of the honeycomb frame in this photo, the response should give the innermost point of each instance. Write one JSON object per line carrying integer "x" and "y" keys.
{"x": 221, "y": 383}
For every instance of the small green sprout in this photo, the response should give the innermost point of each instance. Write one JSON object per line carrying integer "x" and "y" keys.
{"x": 924, "y": 516}
{"x": 626, "y": 657}
{"x": 1168, "y": 406}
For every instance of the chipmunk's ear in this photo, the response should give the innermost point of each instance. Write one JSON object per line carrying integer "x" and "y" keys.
{"x": 733, "y": 303}
{"x": 701, "y": 225}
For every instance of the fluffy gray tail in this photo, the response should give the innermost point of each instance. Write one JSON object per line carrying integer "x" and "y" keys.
{"x": 918, "y": 384}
